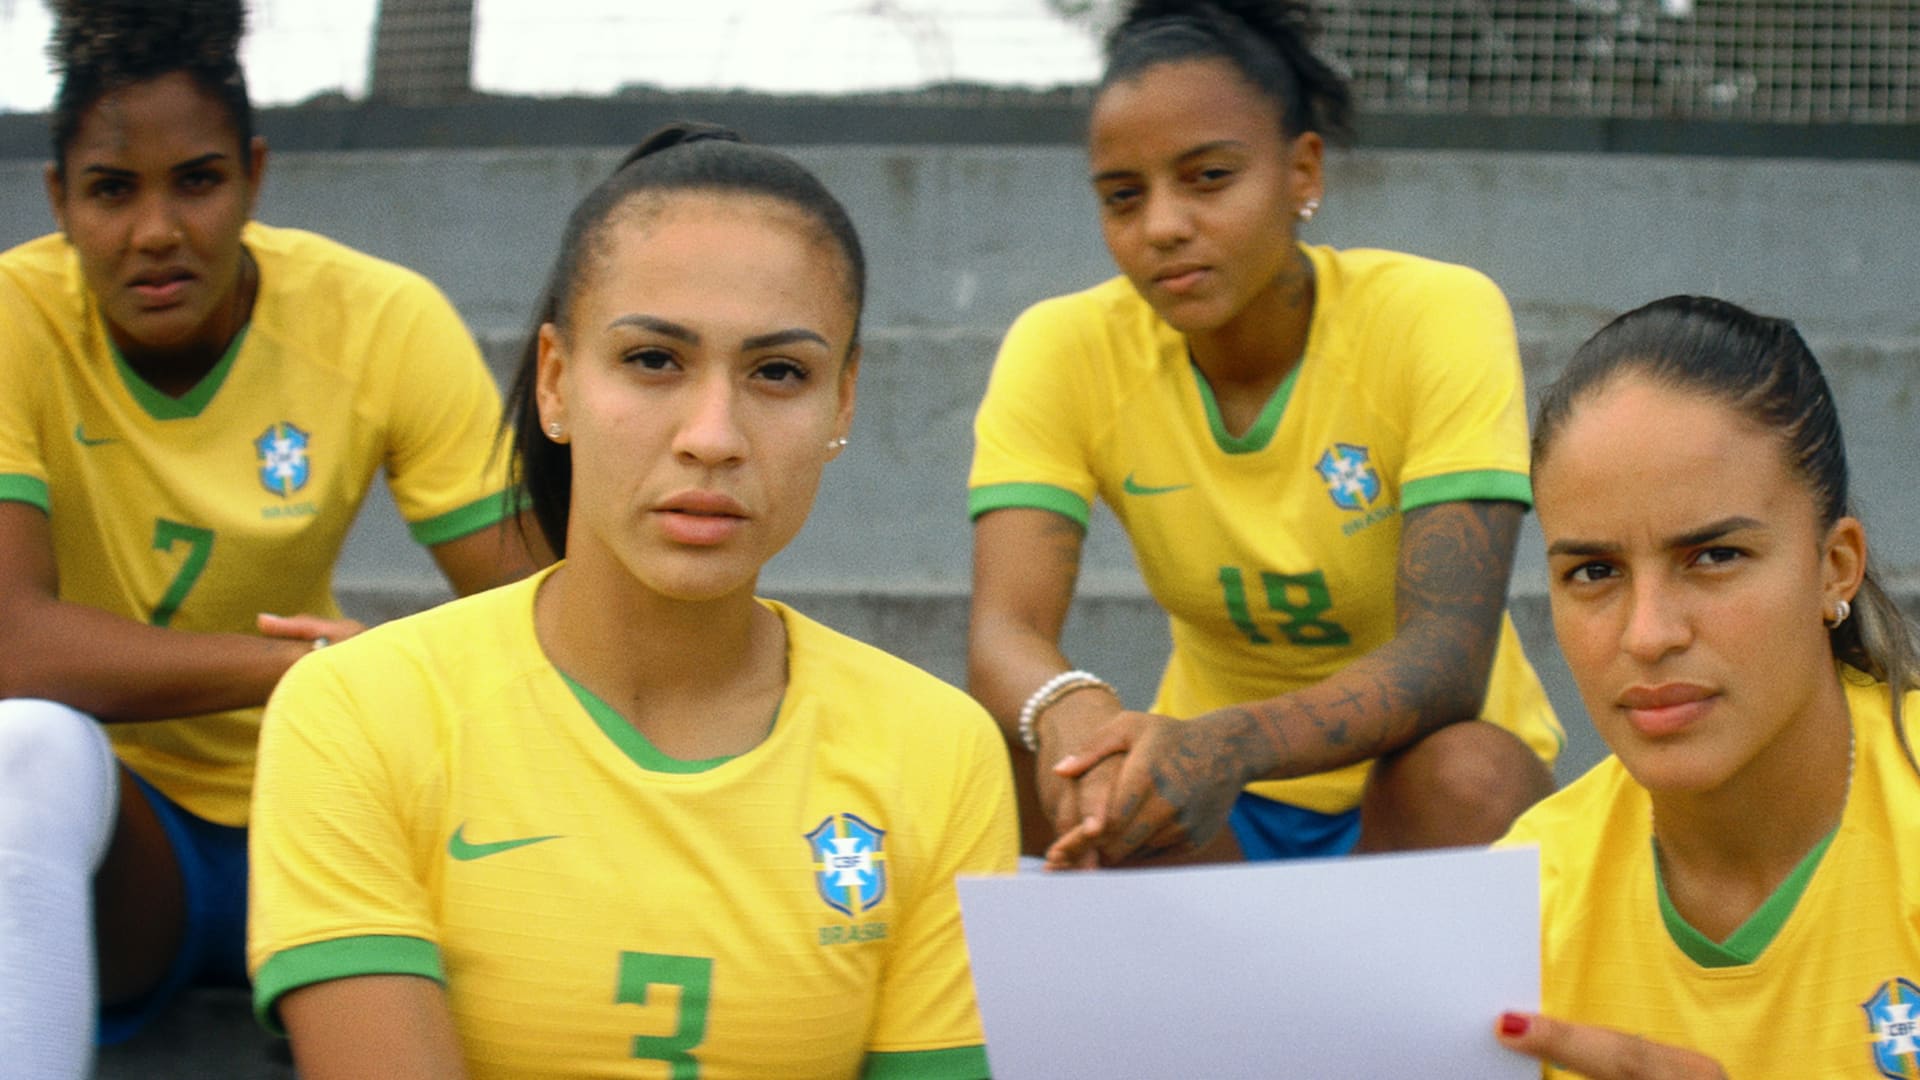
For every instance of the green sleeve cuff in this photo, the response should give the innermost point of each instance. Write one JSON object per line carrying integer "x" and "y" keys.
{"x": 1027, "y": 497}
{"x": 1492, "y": 484}
{"x": 340, "y": 958}
{"x": 27, "y": 489}
{"x": 959, "y": 1063}
{"x": 470, "y": 518}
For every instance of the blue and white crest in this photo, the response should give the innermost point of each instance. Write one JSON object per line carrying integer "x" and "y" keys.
{"x": 1896, "y": 1029}
{"x": 849, "y": 863}
{"x": 283, "y": 458}
{"x": 1349, "y": 475}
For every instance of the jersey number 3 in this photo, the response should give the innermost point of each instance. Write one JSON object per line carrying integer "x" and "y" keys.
{"x": 693, "y": 977}
{"x": 1301, "y": 598}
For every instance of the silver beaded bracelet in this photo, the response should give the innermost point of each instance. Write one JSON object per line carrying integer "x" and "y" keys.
{"x": 1048, "y": 694}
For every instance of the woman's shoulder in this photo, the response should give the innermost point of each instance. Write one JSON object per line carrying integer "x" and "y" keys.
{"x": 455, "y": 643}
{"x": 1113, "y": 305}
{"x": 309, "y": 265}
{"x": 1570, "y": 824}
{"x": 839, "y": 667}
{"x": 37, "y": 271}
{"x": 1399, "y": 277}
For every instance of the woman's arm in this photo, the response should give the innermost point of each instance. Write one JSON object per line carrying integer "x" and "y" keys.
{"x": 389, "y": 1027}
{"x": 506, "y": 551}
{"x": 110, "y": 666}
{"x": 1025, "y": 565}
{"x": 1179, "y": 779}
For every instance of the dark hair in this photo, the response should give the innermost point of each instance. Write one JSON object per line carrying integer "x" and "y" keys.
{"x": 1268, "y": 42}
{"x": 684, "y": 157}
{"x": 1762, "y": 368}
{"x": 100, "y": 46}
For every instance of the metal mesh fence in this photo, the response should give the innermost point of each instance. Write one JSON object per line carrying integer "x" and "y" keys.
{"x": 1766, "y": 60}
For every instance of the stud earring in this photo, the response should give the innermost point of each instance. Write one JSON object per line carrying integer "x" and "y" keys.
{"x": 554, "y": 429}
{"x": 1841, "y": 609}
{"x": 1308, "y": 208}
{"x": 837, "y": 444}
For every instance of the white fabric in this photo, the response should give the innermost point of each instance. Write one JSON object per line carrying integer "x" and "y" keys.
{"x": 59, "y": 787}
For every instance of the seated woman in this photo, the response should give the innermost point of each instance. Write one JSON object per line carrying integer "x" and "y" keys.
{"x": 192, "y": 407}
{"x": 626, "y": 810}
{"x": 1319, "y": 456}
{"x": 1739, "y": 884}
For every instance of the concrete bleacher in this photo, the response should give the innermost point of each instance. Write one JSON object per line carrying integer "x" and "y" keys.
{"x": 961, "y": 237}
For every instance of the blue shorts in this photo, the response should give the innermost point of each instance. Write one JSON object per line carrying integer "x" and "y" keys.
{"x": 1275, "y": 830}
{"x": 213, "y": 945}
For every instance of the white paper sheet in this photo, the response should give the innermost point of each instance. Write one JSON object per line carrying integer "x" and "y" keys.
{"x": 1381, "y": 967}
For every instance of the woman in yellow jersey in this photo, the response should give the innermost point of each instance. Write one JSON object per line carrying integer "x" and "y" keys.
{"x": 1738, "y": 886}
{"x": 625, "y": 812}
{"x": 1319, "y": 456}
{"x": 192, "y": 406}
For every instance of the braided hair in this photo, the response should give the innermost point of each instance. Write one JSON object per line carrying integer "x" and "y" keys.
{"x": 101, "y": 46}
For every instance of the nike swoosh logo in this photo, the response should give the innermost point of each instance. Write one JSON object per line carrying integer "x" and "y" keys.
{"x": 1133, "y": 488}
{"x": 462, "y": 849}
{"x": 80, "y": 436}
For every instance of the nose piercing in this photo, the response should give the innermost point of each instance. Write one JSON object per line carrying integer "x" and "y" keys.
{"x": 1841, "y": 609}
{"x": 1307, "y": 209}
{"x": 837, "y": 444}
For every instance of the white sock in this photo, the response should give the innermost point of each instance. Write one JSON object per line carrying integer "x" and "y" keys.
{"x": 59, "y": 788}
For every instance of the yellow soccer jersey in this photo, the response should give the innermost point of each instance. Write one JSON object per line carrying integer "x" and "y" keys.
{"x": 435, "y": 799}
{"x": 202, "y": 511}
{"x": 1273, "y": 553}
{"x": 1835, "y": 988}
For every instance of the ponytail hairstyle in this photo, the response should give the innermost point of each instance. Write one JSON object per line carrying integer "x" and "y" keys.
{"x": 1267, "y": 41}
{"x": 1761, "y": 368}
{"x": 101, "y": 46}
{"x": 681, "y": 157}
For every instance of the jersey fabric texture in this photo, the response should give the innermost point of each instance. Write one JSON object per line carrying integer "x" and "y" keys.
{"x": 200, "y": 512}
{"x": 1273, "y": 552}
{"x": 1835, "y": 987}
{"x": 437, "y": 800}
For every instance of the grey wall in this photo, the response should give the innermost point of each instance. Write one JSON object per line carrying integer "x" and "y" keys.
{"x": 961, "y": 238}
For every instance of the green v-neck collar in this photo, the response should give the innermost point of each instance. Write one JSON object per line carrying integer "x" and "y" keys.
{"x": 163, "y": 406}
{"x": 1261, "y": 432}
{"x": 638, "y": 747}
{"x": 1745, "y": 944}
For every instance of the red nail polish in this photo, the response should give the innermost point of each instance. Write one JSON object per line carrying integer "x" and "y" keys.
{"x": 1514, "y": 1025}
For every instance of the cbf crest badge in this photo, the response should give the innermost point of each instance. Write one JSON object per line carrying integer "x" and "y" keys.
{"x": 282, "y": 450}
{"x": 849, "y": 863}
{"x": 1891, "y": 1017}
{"x": 1349, "y": 476}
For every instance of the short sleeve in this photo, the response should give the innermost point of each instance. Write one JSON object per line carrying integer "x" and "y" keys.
{"x": 333, "y": 890}
{"x": 928, "y": 1024}
{"x": 1467, "y": 434}
{"x": 445, "y": 461}
{"x": 1032, "y": 432}
{"x": 23, "y": 471}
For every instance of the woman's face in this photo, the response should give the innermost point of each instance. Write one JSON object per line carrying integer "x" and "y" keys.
{"x": 1689, "y": 576}
{"x": 1199, "y": 189}
{"x": 156, "y": 189}
{"x": 702, "y": 378}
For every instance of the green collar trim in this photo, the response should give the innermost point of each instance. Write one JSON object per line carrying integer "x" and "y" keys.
{"x": 632, "y": 743}
{"x": 188, "y": 405}
{"x": 1745, "y": 944}
{"x": 1264, "y": 425}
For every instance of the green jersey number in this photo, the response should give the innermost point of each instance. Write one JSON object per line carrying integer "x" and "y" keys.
{"x": 693, "y": 976}
{"x": 1301, "y": 600}
{"x": 199, "y": 545}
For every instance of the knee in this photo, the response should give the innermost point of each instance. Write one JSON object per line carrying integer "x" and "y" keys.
{"x": 59, "y": 781}
{"x": 1470, "y": 780}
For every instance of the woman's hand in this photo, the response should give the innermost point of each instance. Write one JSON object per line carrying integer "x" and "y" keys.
{"x": 1602, "y": 1053}
{"x": 1064, "y": 730}
{"x": 1173, "y": 791}
{"x": 309, "y": 628}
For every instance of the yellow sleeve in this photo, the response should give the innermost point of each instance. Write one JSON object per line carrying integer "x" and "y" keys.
{"x": 1467, "y": 433}
{"x": 333, "y": 890}
{"x": 1032, "y": 431}
{"x": 927, "y": 1023}
{"x": 23, "y": 471}
{"x": 447, "y": 469}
